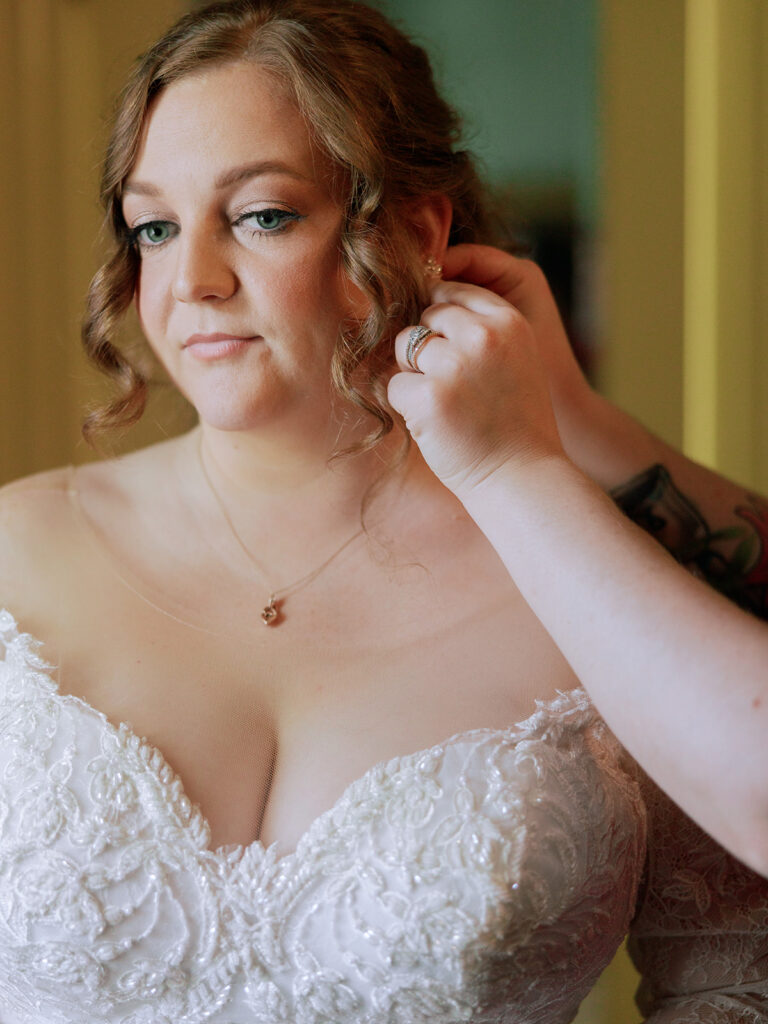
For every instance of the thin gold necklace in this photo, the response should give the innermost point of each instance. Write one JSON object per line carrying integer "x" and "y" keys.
{"x": 271, "y": 613}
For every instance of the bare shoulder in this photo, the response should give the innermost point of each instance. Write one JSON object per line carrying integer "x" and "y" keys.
{"x": 42, "y": 539}
{"x": 29, "y": 503}
{"x": 33, "y": 514}
{"x": 48, "y": 480}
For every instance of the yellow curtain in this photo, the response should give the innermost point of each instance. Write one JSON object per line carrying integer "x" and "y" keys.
{"x": 685, "y": 215}
{"x": 60, "y": 64}
{"x": 684, "y": 250}
{"x": 725, "y": 396}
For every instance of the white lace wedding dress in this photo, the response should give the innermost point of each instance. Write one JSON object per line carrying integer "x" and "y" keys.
{"x": 700, "y": 936}
{"x": 486, "y": 879}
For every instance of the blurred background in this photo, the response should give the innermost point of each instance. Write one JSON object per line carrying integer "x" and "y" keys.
{"x": 627, "y": 141}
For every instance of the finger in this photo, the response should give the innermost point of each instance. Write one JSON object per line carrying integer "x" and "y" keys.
{"x": 461, "y": 326}
{"x": 476, "y": 264}
{"x": 491, "y": 268}
{"x": 401, "y": 349}
{"x": 406, "y": 393}
{"x": 471, "y": 296}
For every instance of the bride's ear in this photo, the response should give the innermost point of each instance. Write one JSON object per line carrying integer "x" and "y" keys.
{"x": 432, "y": 216}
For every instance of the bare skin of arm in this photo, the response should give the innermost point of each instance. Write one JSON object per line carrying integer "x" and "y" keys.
{"x": 679, "y": 672}
{"x": 713, "y": 526}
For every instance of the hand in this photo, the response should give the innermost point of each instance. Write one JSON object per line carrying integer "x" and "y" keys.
{"x": 523, "y": 284}
{"x": 481, "y": 400}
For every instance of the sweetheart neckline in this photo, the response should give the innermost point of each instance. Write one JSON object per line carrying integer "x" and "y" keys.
{"x": 170, "y": 782}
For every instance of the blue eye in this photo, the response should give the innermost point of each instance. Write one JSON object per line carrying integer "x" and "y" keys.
{"x": 153, "y": 233}
{"x": 267, "y": 222}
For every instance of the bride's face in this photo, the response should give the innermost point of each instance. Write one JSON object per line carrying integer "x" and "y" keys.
{"x": 241, "y": 292}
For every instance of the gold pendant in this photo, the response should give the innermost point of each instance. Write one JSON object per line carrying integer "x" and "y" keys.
{"x": 269, "y": 613}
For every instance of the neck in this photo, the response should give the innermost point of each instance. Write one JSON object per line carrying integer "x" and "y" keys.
{"x": 292, "y": 493}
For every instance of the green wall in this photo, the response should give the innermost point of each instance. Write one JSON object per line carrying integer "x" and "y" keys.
{"x": 523, "y": 74}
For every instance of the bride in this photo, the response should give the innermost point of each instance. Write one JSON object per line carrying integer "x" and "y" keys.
{"x": 293, "y": 743}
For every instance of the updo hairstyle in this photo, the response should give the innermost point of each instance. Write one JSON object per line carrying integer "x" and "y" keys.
{"x": 368, "y": 97}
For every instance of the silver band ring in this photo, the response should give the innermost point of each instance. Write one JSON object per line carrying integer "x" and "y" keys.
{"x": 417, "y": 339}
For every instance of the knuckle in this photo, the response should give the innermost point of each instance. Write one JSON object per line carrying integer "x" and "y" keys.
{"x": 532, "y": 270}
{"x": 443, "y": 399}
{"x": 431, "y": 402}
{"x": 434, "y": 310}
{"x": 397, "y": 390}
{"x": 480, "y": 335}
{"x": 512, "y": 321}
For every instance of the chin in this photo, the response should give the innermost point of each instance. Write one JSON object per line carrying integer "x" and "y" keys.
{"x": 233, "y": 418}
{"x": 229, "y": 409}
{"x": 247, "y": 399}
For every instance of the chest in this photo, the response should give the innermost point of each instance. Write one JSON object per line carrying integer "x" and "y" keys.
{"x": 265, "y": 727}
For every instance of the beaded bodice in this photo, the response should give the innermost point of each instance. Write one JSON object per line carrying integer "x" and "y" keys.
{"x": 487, "y": 879}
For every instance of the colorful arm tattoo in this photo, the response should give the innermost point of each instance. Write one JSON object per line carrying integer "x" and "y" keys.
{"x": 733, "y": 560}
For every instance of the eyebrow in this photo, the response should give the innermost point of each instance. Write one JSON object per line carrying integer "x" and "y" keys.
{"x": 235, "y": 176}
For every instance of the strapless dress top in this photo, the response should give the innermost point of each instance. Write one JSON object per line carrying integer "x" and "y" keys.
{"x": 489, "y": 878}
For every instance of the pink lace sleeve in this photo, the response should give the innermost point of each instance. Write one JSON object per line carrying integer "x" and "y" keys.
{"x": 700, "y": 934}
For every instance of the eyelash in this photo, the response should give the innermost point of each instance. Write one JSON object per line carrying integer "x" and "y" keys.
{"x": 137, "y": 235}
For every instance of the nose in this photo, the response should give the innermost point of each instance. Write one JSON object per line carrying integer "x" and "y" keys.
{"x": 203, "y": 270}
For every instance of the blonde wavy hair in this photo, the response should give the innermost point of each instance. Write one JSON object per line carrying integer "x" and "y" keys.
{"x": 368, "y": 95}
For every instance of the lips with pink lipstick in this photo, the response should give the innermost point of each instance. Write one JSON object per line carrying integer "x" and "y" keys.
{"x": 217, "y": 346}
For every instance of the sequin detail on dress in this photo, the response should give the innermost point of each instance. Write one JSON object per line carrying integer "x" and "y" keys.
{"x": 487, "y": 879}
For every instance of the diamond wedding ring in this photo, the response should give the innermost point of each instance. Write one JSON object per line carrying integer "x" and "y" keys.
{"x": 417, "y": 339}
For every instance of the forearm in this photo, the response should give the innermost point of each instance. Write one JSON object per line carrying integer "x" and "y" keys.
{"x": 716, "y": 528}
{"x": 684, "y": 506}
{"x": 679, "y": 674}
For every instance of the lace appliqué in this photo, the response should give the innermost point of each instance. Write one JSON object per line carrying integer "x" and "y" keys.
{"x": 700, "y": 938}
{"x": 487, "y": 879}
